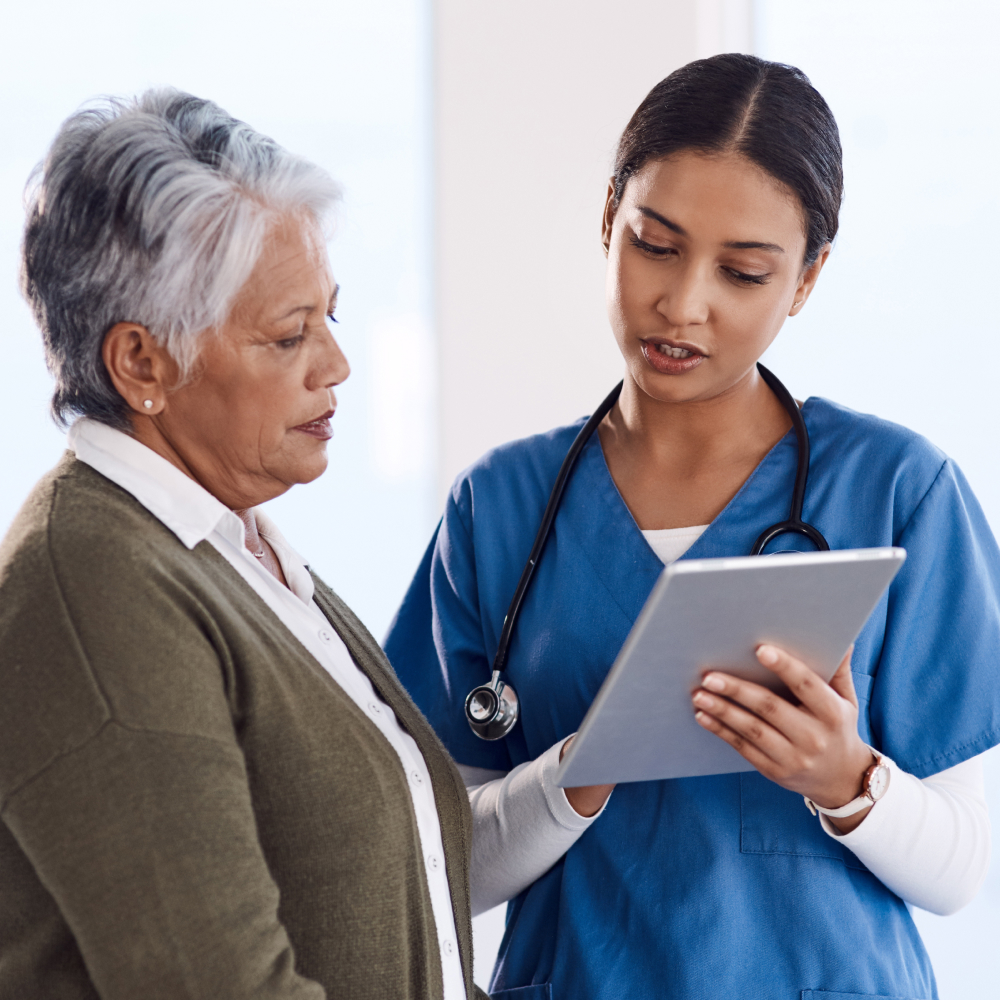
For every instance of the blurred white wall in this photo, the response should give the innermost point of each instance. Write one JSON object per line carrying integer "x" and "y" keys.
{"x": 345, "y": 84}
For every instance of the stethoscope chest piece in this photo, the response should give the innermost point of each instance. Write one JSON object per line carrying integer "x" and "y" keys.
{"x": 492, "y": 709}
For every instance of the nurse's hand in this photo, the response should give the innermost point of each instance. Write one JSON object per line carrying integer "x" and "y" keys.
{"x": 812, "y": 748}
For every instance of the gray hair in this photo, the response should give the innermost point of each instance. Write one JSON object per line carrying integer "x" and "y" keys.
{"x": 151, "y": 211}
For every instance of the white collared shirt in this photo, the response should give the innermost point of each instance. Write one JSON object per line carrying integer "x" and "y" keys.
{"x": 194, "y": 515}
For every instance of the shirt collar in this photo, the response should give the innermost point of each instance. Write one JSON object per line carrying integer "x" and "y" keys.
{"x": 297, "y": 575}
{"x": 185, "y": 507}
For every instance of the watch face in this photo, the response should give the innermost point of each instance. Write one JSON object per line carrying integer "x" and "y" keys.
{"x": 878, "y": 783}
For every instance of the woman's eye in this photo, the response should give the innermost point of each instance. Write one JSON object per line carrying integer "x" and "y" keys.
{"x": 747, "y": 279}
{"x": 289, "y": 342}
{"x": 650, "y": 248}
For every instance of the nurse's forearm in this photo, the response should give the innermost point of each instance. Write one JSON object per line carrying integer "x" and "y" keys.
{"x": 928, "y": 841}
{"x": 522, "y": 824}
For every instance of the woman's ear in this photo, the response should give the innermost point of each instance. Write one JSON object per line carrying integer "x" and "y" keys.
{"x": 808, "y": 281}
{"x": 140, "y": 368}
{"x": 608, "y": 220}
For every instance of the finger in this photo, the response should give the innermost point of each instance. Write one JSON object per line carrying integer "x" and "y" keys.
{"x": 752, "y": 729}
{"x": 792, "y": 722}
{"x": 843, "y": 682}
{"x": 748, "y": 751}
{"x": 811, "y": 690}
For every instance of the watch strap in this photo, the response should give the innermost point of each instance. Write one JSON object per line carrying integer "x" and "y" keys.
{"x": 863, "y": 801}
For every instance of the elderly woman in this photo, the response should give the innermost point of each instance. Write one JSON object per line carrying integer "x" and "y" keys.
{"x": 211, "y": 783}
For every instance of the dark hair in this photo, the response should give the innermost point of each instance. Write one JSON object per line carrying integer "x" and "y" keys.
{"x": 766, "y": 111}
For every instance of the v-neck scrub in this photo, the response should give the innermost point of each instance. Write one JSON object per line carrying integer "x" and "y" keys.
{"x": 721, "y": 886}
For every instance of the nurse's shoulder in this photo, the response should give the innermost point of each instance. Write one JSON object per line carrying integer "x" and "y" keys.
{"x": 512, "y": 479}
{"x": 877, "y": 455}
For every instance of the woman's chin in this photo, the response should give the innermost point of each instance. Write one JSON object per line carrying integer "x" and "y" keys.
{"x": 304, "y": 468}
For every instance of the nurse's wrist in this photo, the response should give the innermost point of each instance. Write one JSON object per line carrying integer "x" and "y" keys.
{"x": 849, "y": 790}
{"x": 586, "y": 800}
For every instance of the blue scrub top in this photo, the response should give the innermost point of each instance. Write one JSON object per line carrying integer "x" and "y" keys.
{"x": 718, "y": 887}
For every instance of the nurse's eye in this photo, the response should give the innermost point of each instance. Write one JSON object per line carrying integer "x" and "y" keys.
{"x": 650, "y": 248}
{"x": 288, "y": 343}
{"x": 747, "y": 279}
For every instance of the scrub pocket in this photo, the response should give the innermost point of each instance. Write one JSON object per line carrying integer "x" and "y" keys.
{"x": 540, "y": 991}
{"x": 774, "y": 820}
{"x": 824, "y": 995}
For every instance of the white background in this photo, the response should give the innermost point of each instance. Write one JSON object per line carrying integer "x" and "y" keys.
{"x": 504, "y": 272}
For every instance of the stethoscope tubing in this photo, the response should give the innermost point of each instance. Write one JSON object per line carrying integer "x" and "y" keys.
{"x": 793, "y": 525}
{"x": 549, "y": 515}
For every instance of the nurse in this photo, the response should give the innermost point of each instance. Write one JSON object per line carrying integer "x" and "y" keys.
{"x": 719, "y": 218}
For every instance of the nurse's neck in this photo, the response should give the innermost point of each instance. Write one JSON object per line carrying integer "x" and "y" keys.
{"x": 678, "y": 464}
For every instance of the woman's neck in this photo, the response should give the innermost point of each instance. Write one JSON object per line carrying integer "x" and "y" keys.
{"x": 258, "y": 546}
{"x": 253, "y": 540}
{"x": 679, "y": 464}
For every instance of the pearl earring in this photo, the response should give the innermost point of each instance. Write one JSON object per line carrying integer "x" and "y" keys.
{"x": 148, "y": 403}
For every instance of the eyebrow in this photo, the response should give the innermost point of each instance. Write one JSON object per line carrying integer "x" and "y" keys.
{"x": 731, "y": 245}
{"x": 297, "y": 309}
{"x": 662, "y": 220}
{"x": 753, "y": 245}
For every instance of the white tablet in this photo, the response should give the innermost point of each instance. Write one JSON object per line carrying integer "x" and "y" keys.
{"x": 706, "y": 613}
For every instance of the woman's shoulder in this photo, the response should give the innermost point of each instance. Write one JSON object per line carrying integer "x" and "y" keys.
{"x": 74, "y": 515}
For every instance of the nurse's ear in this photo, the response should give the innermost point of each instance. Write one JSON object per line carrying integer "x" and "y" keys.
{"x": 608, "y": 220}
{"x": 807, "y": 282}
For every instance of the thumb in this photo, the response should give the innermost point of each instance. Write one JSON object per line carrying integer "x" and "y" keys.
{"x": 842, "y": 682}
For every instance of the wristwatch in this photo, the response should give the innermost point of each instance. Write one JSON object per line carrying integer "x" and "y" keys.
{"x": 873, "y": 786}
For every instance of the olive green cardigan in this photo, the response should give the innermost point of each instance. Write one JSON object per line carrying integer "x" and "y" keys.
{"x": 191, "y": 807}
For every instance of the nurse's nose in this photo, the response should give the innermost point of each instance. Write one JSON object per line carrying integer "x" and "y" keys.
{"x": 685, "y": 298}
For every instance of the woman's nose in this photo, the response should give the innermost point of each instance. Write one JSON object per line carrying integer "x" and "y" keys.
{"x": 685, "y": 301}
{"x": 332, "y": 366}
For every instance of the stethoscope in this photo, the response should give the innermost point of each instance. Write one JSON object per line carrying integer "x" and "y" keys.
{"x": 492, "y": 709}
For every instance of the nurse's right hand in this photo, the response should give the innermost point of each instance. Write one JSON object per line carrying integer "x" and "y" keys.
{"x": 587, "y": 800}
{"x": 811, "y": 747}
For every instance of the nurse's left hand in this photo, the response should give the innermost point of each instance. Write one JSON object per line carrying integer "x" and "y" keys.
{"x": 812, "y": 748}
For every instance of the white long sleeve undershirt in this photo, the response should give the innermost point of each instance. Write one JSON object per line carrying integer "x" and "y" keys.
{"x": 928, "y": 841}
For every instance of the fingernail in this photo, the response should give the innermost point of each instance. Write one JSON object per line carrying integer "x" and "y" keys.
{"x": 714, "y": 682}
{"x": 701, "y": 718}
{"x": 767, "y": 655}
{"x": 705, "y": 700}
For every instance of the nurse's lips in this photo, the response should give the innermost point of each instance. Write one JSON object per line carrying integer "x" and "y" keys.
{"x": 672, "y": 357}
{"x": 319, "y": 428}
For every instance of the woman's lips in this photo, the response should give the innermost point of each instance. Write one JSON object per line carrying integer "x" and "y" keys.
{"x": 319, "y": 428}
{"x": 666, "y": 363}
